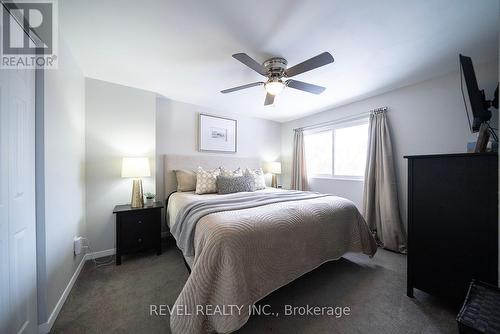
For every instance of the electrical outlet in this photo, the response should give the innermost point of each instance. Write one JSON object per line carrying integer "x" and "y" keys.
{"x": 78, "y": 245}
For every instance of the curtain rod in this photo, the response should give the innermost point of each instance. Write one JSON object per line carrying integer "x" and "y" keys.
{"x": 377, "y": 110}
{"x": 343, "y": 119}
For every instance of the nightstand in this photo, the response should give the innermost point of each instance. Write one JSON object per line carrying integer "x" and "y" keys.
{"x": 137, "y": 229}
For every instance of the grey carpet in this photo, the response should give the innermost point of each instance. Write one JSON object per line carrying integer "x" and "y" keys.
{"x": 116, "y": 299}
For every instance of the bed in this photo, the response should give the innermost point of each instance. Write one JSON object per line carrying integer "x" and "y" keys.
{"x": 244, "y": 246}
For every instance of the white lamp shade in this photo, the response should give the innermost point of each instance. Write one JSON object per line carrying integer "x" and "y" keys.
{"x": 273, "y": 167}
{"x": 135, "y": 167}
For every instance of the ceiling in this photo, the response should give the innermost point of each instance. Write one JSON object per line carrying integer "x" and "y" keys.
{"x": 182, "y": 49}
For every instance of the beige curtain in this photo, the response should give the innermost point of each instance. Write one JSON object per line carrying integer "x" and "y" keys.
{"x": 299, "y": 171}
{"x": 380, "y": 199}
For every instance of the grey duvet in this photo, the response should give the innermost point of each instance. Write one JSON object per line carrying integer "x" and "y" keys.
{"x": 246, "y": 248}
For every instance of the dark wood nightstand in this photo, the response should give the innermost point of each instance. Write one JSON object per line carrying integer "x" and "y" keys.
{"x": 137, "y": 229}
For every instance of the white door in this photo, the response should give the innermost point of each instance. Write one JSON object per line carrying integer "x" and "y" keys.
{"x": 17, "y": 202}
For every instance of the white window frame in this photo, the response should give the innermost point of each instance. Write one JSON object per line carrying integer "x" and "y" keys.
{"x": 332, "y": 128}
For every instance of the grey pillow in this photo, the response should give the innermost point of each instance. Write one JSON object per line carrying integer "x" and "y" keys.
{"x": 235, "y": 184}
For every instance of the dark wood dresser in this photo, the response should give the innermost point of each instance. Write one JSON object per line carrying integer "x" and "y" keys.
{"x": 137, "y": 229}
{"x": 452, "y": 223}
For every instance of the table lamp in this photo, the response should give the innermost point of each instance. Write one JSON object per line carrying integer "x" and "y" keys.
{"x": 136, "y": 168}
{"x": 275, "y": 169}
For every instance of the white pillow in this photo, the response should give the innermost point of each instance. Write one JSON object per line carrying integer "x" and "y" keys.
{"x": 230, "y": 173}
{"x": 206, "y": 181}
{"x": 258, "y": 176}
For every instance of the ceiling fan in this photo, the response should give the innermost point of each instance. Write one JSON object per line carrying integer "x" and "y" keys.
{"x": 275, "y": 70}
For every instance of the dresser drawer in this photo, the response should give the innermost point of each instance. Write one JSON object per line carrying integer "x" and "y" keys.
{"x": 138, "y": 222}
{"x": 132, "y": 242}
{"x": 138, "y": 230}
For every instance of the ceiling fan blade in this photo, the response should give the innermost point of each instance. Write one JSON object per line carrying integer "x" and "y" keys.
{"x": 306, "y": 87}
{"x": 234, "y": 89}
{"x": 269, "y": 99}
{"x": 250, "y": 62}
{"x": 310, "y": 64}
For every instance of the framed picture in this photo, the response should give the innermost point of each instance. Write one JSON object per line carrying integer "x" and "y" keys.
{"x": 217, "y": 134}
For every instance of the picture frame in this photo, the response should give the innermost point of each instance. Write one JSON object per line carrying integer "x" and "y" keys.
{"x": 217, "y": 134}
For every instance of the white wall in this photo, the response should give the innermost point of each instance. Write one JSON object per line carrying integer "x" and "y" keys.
{"x": 120, "y": 122}
{"x": 64, "y": 163}
{"x": 177, "y": 133}
{"x": 123, "y": 121}
{"x": 425, "y": 118}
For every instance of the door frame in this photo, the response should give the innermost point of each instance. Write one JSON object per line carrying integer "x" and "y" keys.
{"x": 41, "y": 263}
{"x": 40, "y": 253}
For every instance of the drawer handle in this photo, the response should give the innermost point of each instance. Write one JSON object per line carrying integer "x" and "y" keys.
{"x": 140, "y": 222}
{"x": 139, "y": 240}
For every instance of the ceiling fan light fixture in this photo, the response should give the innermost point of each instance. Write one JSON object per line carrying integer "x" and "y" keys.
{"x": 275, "y": 69}
{"x": 274, "y": 87}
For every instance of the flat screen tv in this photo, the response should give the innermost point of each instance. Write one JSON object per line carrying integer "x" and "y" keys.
{"x": 475, "y": 102}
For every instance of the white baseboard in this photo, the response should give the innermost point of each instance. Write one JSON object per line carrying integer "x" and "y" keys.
{"x": 96, "y": 255}
{"x": 47, "y": 326}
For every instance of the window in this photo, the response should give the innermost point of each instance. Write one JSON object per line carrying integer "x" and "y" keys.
{"x": 319, "y": 153}
{"x": 349, "y": 151}
{"x": 339, "y": 152}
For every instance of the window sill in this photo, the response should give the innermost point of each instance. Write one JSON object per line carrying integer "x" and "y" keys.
{"x": 339, "y": 178}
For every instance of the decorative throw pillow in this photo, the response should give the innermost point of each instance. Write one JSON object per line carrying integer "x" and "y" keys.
{"x": 258, "y": 176}
{"x": 227, "y": 172}
{"x": 186, "y": 180}
{"x": 235, "y": 184}
{"x": 206, "y": 181}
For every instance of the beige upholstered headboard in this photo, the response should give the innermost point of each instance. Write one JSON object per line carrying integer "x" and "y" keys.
{"x": 173, "y": 162}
